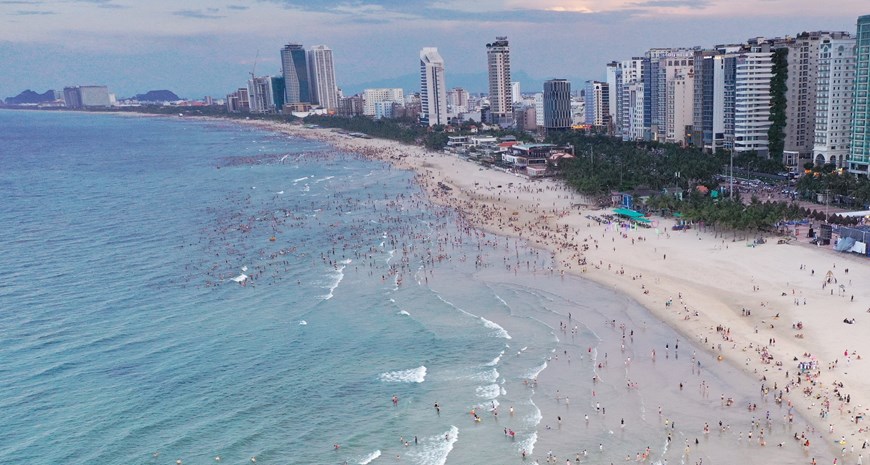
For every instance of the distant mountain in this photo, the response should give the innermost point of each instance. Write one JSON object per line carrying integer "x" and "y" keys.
{"x": 472, "y": 82}
{"x": 29, "y": 96}
{"x": 156, "y": 96}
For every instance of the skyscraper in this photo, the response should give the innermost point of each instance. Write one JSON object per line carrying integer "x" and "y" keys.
{"x": 597, "y": 108}
{"x": 614, "y": 82}
{"x": 499, "y": 65}
{"x": 295, "y": 69}
{"x": 323, "y": 89}
{"x": 516, "y": 93}
{"x": 260, "y": 98}
{"x": 859, "y": 150}
{"x": 557, "y": 105}
{"x": 752, "y": 100}
{"x": 433, "y": 90}
{"x": 702, "y": 104}
{"x": 803, "y": 67}
{"x": 833, "y": 99}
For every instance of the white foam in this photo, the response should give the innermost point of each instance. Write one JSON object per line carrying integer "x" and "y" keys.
{"x": 534, "y": 372}
{"x": 498, "y": 329}
{"x": 368, "y": 458}
{"x": 535, "y": 418}
{"x": 435, "y": 449}
{"x": 300, "y": 179}
{"x": 280, "y": 192}
{"x": 303, "y": 323}
{"x": 488, "y": 392}
{"x": 414, "y": 375}
{"x": 528, "y": 444}
{"x": 338, "y": 275}
{"x": 496, "y": 360}
{"x": 490, "y": 375}
{"x": 240, "y": 278}
{"x": 324, "y": 179}
{"x": 404, "y": 313}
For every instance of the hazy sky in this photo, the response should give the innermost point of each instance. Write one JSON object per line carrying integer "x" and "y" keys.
{"x": 199, "y": 47}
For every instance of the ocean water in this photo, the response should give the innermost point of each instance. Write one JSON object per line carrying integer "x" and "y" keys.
{"x": 188, "y": 290}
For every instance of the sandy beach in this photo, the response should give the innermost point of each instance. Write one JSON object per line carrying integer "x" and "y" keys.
{"x": 763, "y": 308}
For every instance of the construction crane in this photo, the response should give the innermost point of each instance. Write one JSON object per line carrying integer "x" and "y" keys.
{"x": 254, "y": 68}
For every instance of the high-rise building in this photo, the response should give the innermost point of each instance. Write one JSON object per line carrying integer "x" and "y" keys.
{"x": 350, "y": 106}
{"x": 674, "y": 64}
{"x": 614, "y": 82}
{"x": 278, "y": 91}
{"x": 702, "y": 112}
{"x": 859, "y": 149}
{"x": 539, "y": 110}
{"x": 499, "y": 65}
{"x": 324, "y": 92}
{"x": 433, "y": 90}
{"x": 373, "y": 96}
{"x": 633, "y": 111}
{"x": 752, "y": 100}
{"x": 724, "y": 81}
{"x": 239, "y": 101}
{"x": 800, "y": 94}
{"x": 86, "y": 97}
{"x": 654, "y": 91}
{"x": 260, "y": 97}
{"x": 678, "y": 114}
{"x": 457, "y": 101}
{"x": 516, "y": 94}
{"x": 297, "y": 88}
{"x": 557, "y": 105}
{"x": 834, "y": 99}
{"x": 72, "y": 98}
{"x": 597, "y": 96}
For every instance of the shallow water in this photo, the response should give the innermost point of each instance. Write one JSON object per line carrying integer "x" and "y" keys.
{"x": 125, "y": 339}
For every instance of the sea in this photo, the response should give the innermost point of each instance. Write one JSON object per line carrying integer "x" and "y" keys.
{"x": 186, "y": 291}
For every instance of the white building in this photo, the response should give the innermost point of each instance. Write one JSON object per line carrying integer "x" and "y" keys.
{"x": 516, "y": 94}
{"x": 323, "y": 88}
{"x": 87, "y": 97}
{"x": 614, "y": 83}
{"x": 834, "y": 99}
{"x": 260, "y": 97}
{"x": 753, "y": 72}
{"x": 539, "y": 109}
{"x": 373, "y": 96}
{"x": 632, "y": 101}
{"x": 457, "y": 101}
{"x": 433, "y": 90}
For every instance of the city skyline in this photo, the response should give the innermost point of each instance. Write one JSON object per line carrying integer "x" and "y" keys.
{"x": 208, "y": 48}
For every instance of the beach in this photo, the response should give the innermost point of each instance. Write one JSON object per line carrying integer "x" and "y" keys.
{"x": 763, "y": 309}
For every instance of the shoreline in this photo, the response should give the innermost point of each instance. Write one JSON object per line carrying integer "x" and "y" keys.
{"x": 776, "y": 284}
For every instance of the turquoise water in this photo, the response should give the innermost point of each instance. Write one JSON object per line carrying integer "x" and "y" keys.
{"x": 124, "y": 338}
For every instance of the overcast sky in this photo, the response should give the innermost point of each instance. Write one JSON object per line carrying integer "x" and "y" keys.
{"x": 199, "y": 47}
